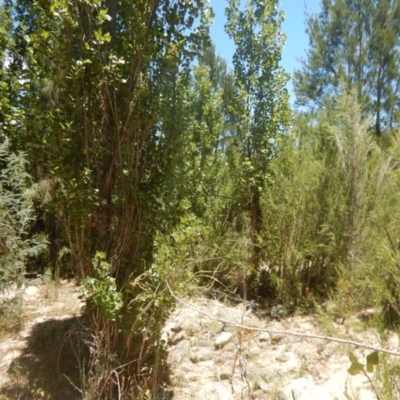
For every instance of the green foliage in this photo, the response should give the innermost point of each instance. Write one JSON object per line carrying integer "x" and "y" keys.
{"x": 205, "y": 251}
{"x": 105, "y": 117}
{"x": 386, "y": 378}
{"x": 100, "y": 290}
{"x": 12, "y": 316}
{"x": 372, "y": 359}
{"x": 384, "y": 278}
{"x": 260, "y": 103}
{"x": 323, "y": 206}
{"x": 17, "y": 215}
{"x": 355, "y": 368}
{"x": 4, "y": 39}
{"x": 165, "y": 175}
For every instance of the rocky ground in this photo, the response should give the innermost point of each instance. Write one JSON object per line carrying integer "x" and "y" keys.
{"x": 209, "y": 358}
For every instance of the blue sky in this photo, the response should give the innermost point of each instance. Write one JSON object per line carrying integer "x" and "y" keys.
{"x": 293, "y": 27}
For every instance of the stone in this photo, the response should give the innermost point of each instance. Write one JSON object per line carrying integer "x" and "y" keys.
{"x": 282, "y": 358}
{"x": 282, "y": 396}
{"x": 177, "y": 338}
{"x": 229, "y": 347}
{"x": 201, "y": 354}
{"x": 177, "y": 356}
{"x": 212, "y": 327}
{"x": 205, "y": 343}
{"x": 278, "y": 312}
{"x": 253, "y": 322}
{"x": 231, "y": 328}
{"x": 222, "y": 339}
{"x": 271, "y": 375}
{"x": 31, "y": 290}
{"x": 305, "y": 389}
{"x": 264, "y": 337}
{"x": 186, "y": 367}
{"x": 223, "y": 358}
{"x": 169, "y": 330}
{"x": 175, "y": 328}
{"x": 190, "y": 326}
{"x": 226, "y": 371}
{"x": 278, "y": 367}
{"x": 258, "y": 394}
{"x": 277, "y": 337}
{"x": 254, "y": 351}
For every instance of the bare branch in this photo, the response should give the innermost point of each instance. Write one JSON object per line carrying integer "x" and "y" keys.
{"x": 284, "y": 332}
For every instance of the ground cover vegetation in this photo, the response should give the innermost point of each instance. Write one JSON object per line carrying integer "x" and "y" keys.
{"x": 135, "y": 160}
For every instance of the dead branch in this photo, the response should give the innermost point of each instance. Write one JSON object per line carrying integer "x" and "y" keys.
{"x": 284, "y": 332}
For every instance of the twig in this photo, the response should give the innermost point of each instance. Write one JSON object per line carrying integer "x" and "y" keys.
{"x": 284, "y": 332}
{"x": 372, "y": 385}
{"x": 118, "y": 383}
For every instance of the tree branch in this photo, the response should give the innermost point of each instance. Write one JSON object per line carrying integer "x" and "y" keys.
{"x": 284, "y": 332}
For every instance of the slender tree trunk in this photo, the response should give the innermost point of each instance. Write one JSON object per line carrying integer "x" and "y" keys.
{"x": 378, "y": 105}
{"x": 106, "y": 172}
{"x": 256, "y": 226}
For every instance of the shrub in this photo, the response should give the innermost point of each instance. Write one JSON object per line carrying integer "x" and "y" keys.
{"x": 17, "y": 215}
{"x": 325, "y": 207}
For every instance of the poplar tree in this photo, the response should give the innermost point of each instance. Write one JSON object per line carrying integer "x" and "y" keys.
{"x": 103, "y": 93}
{"x": 354, "y": 43}
{"x": 261, "y": 99}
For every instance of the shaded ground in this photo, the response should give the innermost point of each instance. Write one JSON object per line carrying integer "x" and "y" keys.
{"x": 41, "y": 357}
{"x": 45, "y": 345}
{"x": 50, "y": 366}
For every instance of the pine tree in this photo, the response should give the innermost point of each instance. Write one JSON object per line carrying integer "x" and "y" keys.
{"x": 354, "y": 43}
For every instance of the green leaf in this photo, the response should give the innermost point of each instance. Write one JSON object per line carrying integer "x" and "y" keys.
{"x": 352, "y": 357}
{"x": 370, "y": 368}
{"x": 355, "y": 368}
{"x": 107, "y": 37}
{"x": 373, "y": 358}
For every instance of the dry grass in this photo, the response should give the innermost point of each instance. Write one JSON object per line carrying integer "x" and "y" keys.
{"x": 12, "y": 317}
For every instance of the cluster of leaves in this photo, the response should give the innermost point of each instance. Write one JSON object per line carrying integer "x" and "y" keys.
{"x": 372, "y": 360}
{"x": 100, "y": 290}
{"x": 356, "y": 367}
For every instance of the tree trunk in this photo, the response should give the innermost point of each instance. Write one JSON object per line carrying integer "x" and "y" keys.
{"x": 256, "y": 225}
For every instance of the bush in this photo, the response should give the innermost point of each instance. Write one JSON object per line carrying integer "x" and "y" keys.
{"x": 325, "y": 208}
{"x": 16, "y": 217}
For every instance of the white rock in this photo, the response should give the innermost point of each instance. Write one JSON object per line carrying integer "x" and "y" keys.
{"x": 222, "y": 339}
{"x": 264, "y": 337}
{"x": 31, "y": 290}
